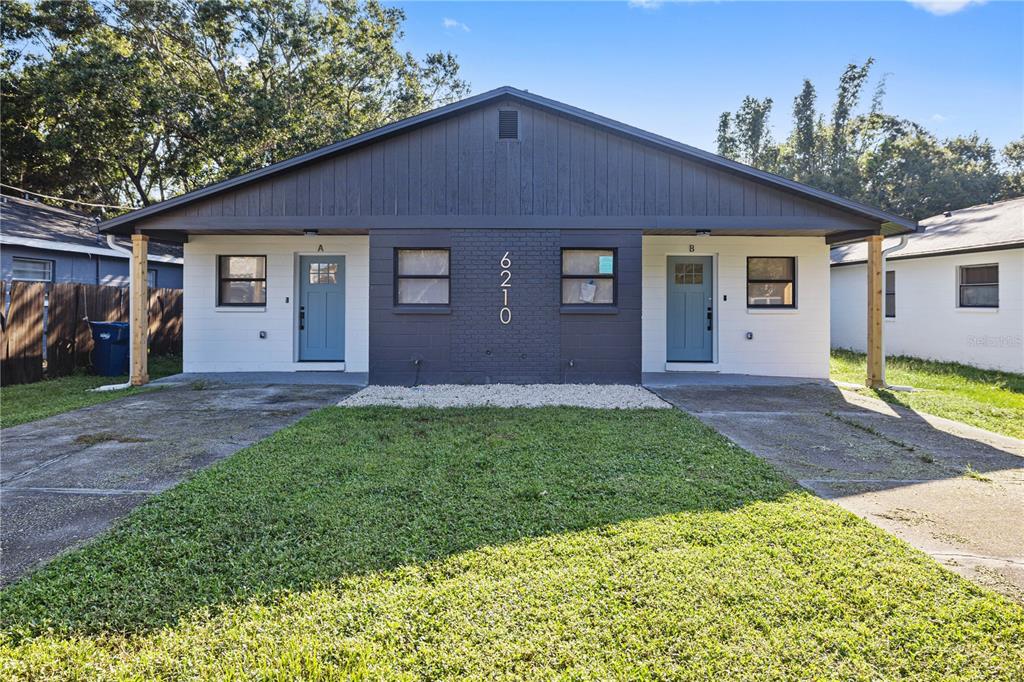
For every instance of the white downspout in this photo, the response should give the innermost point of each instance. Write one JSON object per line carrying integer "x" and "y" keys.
{"x": 885, "y": 252}
{"x": 114, "y": 247}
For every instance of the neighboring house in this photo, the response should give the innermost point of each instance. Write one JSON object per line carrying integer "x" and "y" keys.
{"x": 955, "y": 292}
{"x": 40, "y": 243}
{"x": 508, "y": 238}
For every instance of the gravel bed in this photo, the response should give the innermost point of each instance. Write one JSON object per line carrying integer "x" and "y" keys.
{"x": 608, "y": 397}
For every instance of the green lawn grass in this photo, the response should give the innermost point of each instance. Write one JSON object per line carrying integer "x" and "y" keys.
{"x": 986, "y": 398}
{"x": 28, "y": 402}
{"x": 377, "y": 543}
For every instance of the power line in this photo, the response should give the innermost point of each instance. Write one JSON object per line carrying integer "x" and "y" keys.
{"x": 68, "y": 201}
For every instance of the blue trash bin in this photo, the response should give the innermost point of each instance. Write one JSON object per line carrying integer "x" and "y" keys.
{"x": 110, "y": 348}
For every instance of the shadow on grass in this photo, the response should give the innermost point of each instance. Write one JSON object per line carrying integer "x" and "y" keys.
{"x": 1007, "y": 381}
{"x": 351, "y": 491}
{"x": 891, "y": 397}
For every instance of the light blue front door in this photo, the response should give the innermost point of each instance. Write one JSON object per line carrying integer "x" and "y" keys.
{"x": 322, "y": 308}
{"x": 689, "y": 309}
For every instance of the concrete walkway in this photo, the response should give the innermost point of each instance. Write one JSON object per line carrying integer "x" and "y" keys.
{"x": 67, "y": 478}
{"x": 951, "y": 490}
{"x": 309, "y": 378}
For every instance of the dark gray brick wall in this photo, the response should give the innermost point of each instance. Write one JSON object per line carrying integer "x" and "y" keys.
{"x": 483, "y": 350}
{"x": 606, "y": 348}
{"x": 466, "y": 343}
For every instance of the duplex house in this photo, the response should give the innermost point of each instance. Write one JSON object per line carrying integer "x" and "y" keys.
{"x": 507, "y": 238}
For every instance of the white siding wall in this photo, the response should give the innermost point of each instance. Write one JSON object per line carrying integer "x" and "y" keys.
{"x": 785, "y": 343}
{"x": 227, "y": 339}
{"x": 928, "y": 322}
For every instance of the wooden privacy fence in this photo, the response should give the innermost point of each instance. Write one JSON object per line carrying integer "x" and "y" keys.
{"x": 45, "y": 327}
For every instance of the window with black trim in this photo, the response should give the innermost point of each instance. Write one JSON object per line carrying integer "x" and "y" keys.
{"x": 422, "y": 276}
{"x": 979, "y": 286}
{"x": 771, "y": 282}
{"x": 588, "y": 276}
{"x": 242, "y": 281}
{"x": 32, "y": 270}
{"x": 890, "y": 293}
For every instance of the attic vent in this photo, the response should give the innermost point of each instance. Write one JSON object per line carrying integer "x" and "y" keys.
{"x": 508, "y": 125}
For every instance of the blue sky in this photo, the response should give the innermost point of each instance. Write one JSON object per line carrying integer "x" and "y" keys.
{"x": 672, "y": 68}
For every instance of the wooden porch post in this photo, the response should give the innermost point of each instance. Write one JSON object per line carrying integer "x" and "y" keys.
{"x": 139, "y": 310}
{"x": 876, "y": 369}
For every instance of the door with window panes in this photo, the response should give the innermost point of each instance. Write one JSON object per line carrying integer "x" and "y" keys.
{"x": 322, "y": 308}
{"x": 689, "y": 309}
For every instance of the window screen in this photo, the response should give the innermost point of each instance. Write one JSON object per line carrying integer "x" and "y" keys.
{"x": 979, "y": 286}
{"x": 422, "y": 276}
{"x": 771, "y": 282}
{"x": 242, "y": 281}
{"x": 32, "y": 270}
{"x": 588, "y": 276}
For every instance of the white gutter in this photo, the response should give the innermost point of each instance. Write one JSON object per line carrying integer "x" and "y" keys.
{"x": 114, "y": 246}
{"x": 131, "y": 285}
{"x": 115, "y": 251}
{"x": 885, "y": 252}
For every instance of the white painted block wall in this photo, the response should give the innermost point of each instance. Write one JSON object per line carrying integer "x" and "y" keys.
{"x": 785, "y": 342}
{"x": 227, "y": 339}
{"x": 929, "y": 323}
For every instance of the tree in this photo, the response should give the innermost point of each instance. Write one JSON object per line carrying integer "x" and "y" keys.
{"x": 131, "y": 101}
{"x": 873, "y": 157}
{"x": 803, "y": 159}
{"x": 841, "y": 163}
{"x": 727, "y": 146}
{"x": 1013, "y": 158}
{"x": 746, "y": 135}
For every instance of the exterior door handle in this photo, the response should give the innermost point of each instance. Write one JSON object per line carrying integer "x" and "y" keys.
{"x": 709, "y": 318}
{"x": 302, "y": 317}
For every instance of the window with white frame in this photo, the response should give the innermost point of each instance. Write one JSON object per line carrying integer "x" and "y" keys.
{"x": 151, "y": 278}
{"x": 979, "y": 286}
{"x": 32, "y": 270}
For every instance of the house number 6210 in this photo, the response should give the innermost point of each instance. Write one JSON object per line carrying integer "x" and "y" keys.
{"x": 505, "y": 314}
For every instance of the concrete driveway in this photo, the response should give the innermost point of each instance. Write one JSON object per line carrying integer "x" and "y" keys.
{"x": 66, "y": 478}
{"x": 951, "y": 490}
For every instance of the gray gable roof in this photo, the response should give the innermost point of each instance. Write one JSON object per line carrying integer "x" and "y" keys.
{"x": 24, "y": 219}
{"x": 983, "y": 227}
{"x": 733, "y": 172}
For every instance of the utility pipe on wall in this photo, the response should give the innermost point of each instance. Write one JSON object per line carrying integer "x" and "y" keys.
{"x": 886, "y": 252}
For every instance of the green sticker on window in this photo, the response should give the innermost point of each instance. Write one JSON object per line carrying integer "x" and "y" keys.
{"x": 604, "y": 265}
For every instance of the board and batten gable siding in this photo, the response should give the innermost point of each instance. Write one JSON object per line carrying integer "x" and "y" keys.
{"x": 458, "y": 167}
{"x": 225, "y": 339}
{"x": 929, "y": 324}
{"x": 786, "y": 342}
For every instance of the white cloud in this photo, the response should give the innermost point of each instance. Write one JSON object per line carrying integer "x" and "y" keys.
{"x": 454, "y": 23}
{"x": 939, "y": 118}
{"x": 943, "y": 7}
{"x": 645, "y": 4}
